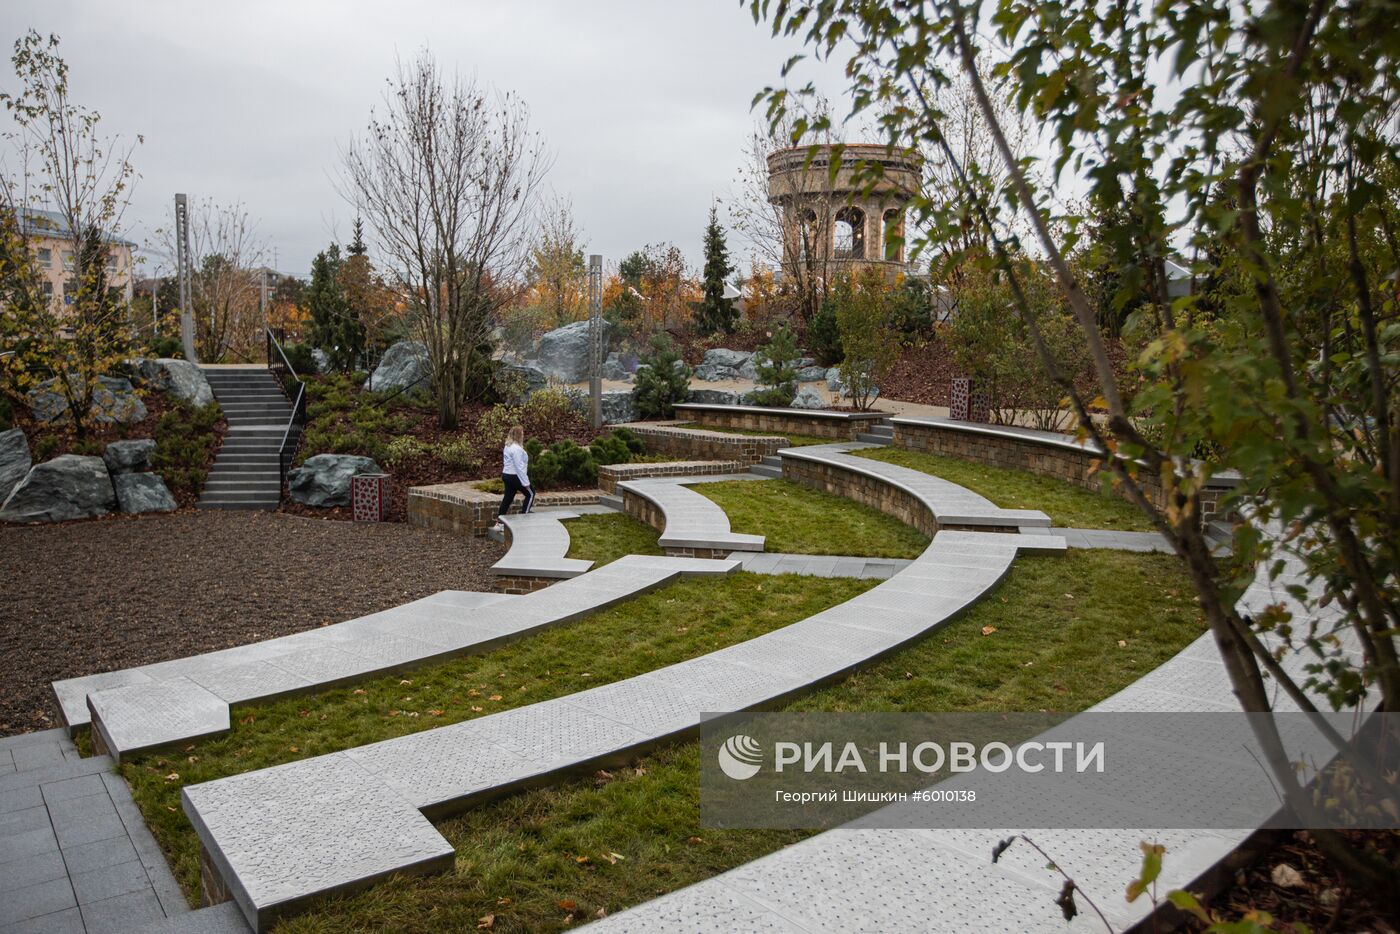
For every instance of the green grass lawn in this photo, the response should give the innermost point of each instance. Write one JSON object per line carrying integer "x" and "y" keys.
{"x": 799, "y": 520}
{"x": 1067, "y": 506}
{"x": 605, "y": 538}
{"x": 1066, "y": 632}
{"x": 796, "y": 441}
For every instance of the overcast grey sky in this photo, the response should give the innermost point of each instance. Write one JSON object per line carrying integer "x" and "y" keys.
{"x": 644, "y": 103}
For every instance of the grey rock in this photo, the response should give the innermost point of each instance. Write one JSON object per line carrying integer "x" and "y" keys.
{"x": 711, "y": 373}
{"x": 749, "y": 368}
{"x": 129, "y": 456}
{"x": 404, "y": 364}
{"x": 114, "y": 402}
{"x": 808, "y": 398}
{"x": 143, "y": 492}
{"x": 324, "y": 480}
{"x": 563, "y": 352}
{"x": 185, "y": 381}
{"x": 67, "y": 487}
{"x": 713, "y": 397}
{"x": 801, "y": 362}
{"x": 531, "y": 379}
{"x": 15, "y": 460}
{"x": 321, "y": 359}
{"x": 833, "y": 380}
{"x": 146, "y": 370}
{"x": 615, "y": 368}
{"x": 721, "y": 356}
{"x": 618, "y": 406}
{"x": 811, "y": 374}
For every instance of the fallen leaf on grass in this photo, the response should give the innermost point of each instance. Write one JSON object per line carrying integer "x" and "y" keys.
{"x": 405, "y": 682}
{"x": 485, "y": 922}
{"x": 437, "y": 713}
{"x": 293, "y": 749}
{"x": 988, "y": 630}
{"x": 696, "y": 840}
{"x": 494, "y": 697}
{"x": 173, "y": 777}
{"x": 568, "y": 904}
{"x": 581, "y": 860}
{"x": 613, "y": 858}
{"x": 1122, "y": 643}
{"x": 360, "y": 691}
{"x": 477, "y": 709}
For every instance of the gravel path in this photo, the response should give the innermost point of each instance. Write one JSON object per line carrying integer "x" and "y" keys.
{"x": 86, "y": 597}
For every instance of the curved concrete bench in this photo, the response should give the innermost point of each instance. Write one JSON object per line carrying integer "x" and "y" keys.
{"x": 189, "y": 698}
{"x": 539, "y": 543}
{"x": 281, "y": 836}
{"x": 922, "y": 500}
{"x": 691, "y": 524}
{"x": 862, "y": 878}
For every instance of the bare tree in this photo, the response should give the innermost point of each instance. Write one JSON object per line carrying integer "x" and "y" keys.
{"x": 84, "y": 178}
{"x": 446, "y": 175}
{"x": 788, "y": 235}
{"x": 225, "y": 251}
{"x": 557, "y": 272}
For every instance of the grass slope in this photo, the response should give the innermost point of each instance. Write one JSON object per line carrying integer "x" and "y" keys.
{"x": 605, "y": 538}
{"x": 1067, "y": 506}
{"x": 1066, "y": 632}
{"x": 798, "y": 520}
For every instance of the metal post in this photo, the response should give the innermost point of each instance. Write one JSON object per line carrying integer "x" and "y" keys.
{"x": 182, "y": 252}
{"x": 595, "y": 339}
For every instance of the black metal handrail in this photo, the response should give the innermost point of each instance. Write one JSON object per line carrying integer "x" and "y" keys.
{"x": 282, "y": 368}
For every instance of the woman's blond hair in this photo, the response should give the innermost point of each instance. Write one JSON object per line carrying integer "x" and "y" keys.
{"x": 516, "y": 434}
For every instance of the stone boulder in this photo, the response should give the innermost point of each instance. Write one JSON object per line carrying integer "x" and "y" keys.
{"x": 143, "y": 492}
{"x": 185, "y": 381}
{"x": 129, "y": 456}
{"x": 808, "y": 398}
{"x": 721, "y": 356}
{"x": 834, "y": 381}
{"x": 563, "y": 353}
{"x": 811, "y": 374}
{"x": 324, "y": 480}
{"x": 114, "y": 402}
{"x": 321, "y": 360}
{"x": 710, "y": 373}
{"x": 146, "y": 370}
{"x": 531, "y": 380}
{"x": 713, "y": 397}
{"x": 15, "y": 460}
{"x": 404, "y": 364}
{"x": 749, "y": 368}
{"x": 67, "y": 487}
{"x": 614, "y": 368}
{"x": 618, "y": 406}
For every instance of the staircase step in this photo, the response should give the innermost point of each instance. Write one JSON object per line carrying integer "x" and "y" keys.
{"x": 870, "y": 438}
{"x": 610, "y": 501}
{"x": 772, "y": 460}
{"x": 763, "y": 470}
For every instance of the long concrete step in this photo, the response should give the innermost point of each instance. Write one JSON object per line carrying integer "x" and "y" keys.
{"x": 763, "y": 470}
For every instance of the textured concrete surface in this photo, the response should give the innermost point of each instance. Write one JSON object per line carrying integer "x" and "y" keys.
{"x": 949, "y": 503}
{"x": 248, "y": 822}
{"x": 773, "y": 562}
{"x": 691, "y": 520}
{"x": 539, "y": 543}
{"x": 944, "y": 880}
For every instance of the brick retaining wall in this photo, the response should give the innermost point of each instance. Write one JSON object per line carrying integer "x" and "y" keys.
{"x": 462, "y": 509}
{"x": 839, "y": 426}
{"x": 610, "y": 475}
{"x": 875, "y": 493}
{"x": 698, "y": 444}
{"x": 1053, "y": 456}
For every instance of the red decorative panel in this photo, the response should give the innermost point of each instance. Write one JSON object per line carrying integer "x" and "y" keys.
{"x": 369, "y": 495}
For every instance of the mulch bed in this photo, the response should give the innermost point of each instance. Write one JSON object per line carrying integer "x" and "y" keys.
{"x": 85, "y": 597}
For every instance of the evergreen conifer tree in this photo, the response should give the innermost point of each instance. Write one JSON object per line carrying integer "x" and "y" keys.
{"x": 716, "y": 313}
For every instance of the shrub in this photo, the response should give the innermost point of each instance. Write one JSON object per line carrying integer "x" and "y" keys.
{"x": 862, "y": 313}
{"x": 185, "y": 441}
{"x": 301, "y": 359}
{"x": 461, "y": 451}
{"x": 166, "y": 346}
{"x": 402, "y": 449}
{"x": 910, "y": 307}
{"x": 824, "y": 336}
{"x": 550, "y": 415}
{"x": 777, "y": 377}
{"x": 664, "y": 381}
{"x": 7, "y": 414}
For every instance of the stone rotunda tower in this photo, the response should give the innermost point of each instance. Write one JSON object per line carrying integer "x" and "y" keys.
{"x": 838, "y": 224}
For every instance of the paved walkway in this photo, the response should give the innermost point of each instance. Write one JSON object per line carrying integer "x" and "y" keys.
{"x": 770, "y": 562}
{"x": 75, "y": 855}
{"x": 1110, "y": 538}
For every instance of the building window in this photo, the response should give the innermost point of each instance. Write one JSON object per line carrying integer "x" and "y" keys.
{"x": 68, "y": 260}
{"x": 850, "y": 233}
{"x": 894, "y": 236}
{"x": 46, "y": 289}
{"x": 70, "y": 291}
{"x": 45, "y": 256}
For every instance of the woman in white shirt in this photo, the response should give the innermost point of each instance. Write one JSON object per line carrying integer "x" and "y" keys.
{"x": 515, "y": 473}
